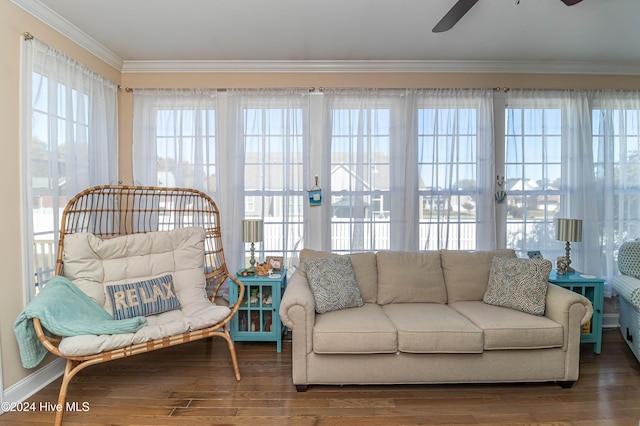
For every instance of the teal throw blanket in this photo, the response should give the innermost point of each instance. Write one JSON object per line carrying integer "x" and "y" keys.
{"x": 64, "y": 310}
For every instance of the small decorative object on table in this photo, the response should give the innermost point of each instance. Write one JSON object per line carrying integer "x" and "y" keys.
{"x": 561, "y": 265}
{"x": 263, "y": 269}
{"x": 275, "y": 262}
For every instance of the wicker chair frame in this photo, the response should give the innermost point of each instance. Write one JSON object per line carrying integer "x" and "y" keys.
{"x": 114, "y": 210}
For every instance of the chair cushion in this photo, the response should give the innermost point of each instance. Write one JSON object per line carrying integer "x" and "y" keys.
{"x": 93, "y": 264}
{"x": 333, "y": 283}
{"x": 410, "y": 277}
{"x": 433, "y": 328}
{"x": 466, "y": 273}
{"x": 506, "y": 328}
{"x": 519, "y": 284}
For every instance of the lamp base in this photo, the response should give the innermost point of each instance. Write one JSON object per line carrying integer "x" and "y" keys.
{"x": 252, "y": 260}
{"x": 567, "y": 256}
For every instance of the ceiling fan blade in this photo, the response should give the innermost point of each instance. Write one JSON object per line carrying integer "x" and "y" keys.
{"x": 571, "y": 2}
{"x": 454, "y": 15}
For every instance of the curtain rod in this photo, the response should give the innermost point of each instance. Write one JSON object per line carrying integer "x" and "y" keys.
{"x": 317, "y": 89}
{"x": 131, "y": 89}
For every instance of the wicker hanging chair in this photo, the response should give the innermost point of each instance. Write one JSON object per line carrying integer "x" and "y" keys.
{"x": 112, "y": 211}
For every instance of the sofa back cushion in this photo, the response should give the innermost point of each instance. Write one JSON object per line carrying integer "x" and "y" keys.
{"x": 466, "y": 273}
{"x": 364, "y": 266}
{"x": 405, "y": 277}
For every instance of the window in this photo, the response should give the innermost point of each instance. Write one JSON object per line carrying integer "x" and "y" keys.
{"x": 360, "y": 179}
{"x": 186, "y": 148}
{"x": 410, "y": 170}
{"x": 447, "y": 153}
{"x": 274, "y": 133}
{"x": 533, "y": 177}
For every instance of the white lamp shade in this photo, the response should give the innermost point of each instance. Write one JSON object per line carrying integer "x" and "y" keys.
{"x": 252, "y": 230}
{"x": 569, "y": 230}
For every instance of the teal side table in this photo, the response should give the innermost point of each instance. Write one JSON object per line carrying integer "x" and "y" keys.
{"x": 593, "y": 289}
{"x": 258, "y": 319}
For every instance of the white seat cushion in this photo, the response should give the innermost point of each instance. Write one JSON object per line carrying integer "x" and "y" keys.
{"x": 92, "y": 263}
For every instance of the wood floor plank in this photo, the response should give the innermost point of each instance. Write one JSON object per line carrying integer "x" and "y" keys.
{"x": 193, "y": 384}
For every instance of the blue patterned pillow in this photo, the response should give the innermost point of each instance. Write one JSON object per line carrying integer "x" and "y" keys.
{"x": 519, "y": 284}
{"x": 333, "y": 283}
{"x": 143, "y": 298}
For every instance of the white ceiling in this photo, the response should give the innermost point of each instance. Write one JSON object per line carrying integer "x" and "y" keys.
{"x": 592, "y": 36}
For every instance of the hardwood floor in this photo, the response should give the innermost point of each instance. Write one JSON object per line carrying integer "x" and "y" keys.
{"x": 194, "y": 384}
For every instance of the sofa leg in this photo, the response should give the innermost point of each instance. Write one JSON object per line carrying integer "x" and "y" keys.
{"x": 302, "y": 388}
{"x": 567, "y": 384}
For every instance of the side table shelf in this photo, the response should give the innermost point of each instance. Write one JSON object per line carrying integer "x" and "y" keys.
{"x": 258, "y": 319}
{"x": 593, "y": 289}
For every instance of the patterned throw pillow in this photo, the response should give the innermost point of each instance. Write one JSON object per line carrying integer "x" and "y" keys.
{"x": 333, "y": 283}
{"x": 629, "y": 259}
{"x": 143, "y": 298}
{"x": 519, "y": 284}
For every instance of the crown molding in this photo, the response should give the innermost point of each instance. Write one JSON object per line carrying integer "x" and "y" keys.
{"x": 418, "y": 66}
{"x": 67, "y": 29}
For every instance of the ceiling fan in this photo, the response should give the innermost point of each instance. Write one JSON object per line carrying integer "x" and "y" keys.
{"x": 462, "y": 7}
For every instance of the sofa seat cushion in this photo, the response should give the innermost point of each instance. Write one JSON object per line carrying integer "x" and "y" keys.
{"x": 361, "y": 330}
{"x": 506, "y": 328}
{"x": 433, "y": 328}
{"x": 410, "y": 277}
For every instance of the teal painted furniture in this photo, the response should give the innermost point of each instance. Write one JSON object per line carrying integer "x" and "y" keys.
{"x": 627, "y": 285}
{"x": 257, "y": 319}
{"x": 593, "y": 289}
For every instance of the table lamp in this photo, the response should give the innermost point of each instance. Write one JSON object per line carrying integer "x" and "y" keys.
{"x": 252, "y": 233}
{"x": 569, "y": 230}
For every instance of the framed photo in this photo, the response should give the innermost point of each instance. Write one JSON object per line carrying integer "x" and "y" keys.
{"x": 275, "y": 262}
{"x": 534, "y": 254}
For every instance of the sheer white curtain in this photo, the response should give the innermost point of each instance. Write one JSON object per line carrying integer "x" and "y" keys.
{"x": 245, "y": 148}
{"x": 175, "y": 138}
{"x": 557, "y": 150}
{"x": 69, "y": 142}
{"x": 177, "y": 143}
{"x": 616, "y": 147}
{"x": 268, "y": 134}
{"x": 403, "y": 163}
{"x": 456, "y": 169}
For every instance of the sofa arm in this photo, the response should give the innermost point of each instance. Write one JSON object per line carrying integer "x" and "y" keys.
{"x": 297, "y": 308}
{"x": 569, "y": 309}
{"x": 561, "y": 301}
{"x": 628, "y": 288}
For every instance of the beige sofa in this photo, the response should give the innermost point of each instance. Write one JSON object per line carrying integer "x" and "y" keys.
{"x": 423, "y": 320}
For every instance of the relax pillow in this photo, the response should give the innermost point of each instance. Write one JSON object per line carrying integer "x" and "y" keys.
{"x": 519, "y": 284}
{"x": 333, "y": 283}
{"x": 143, "y": 298}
